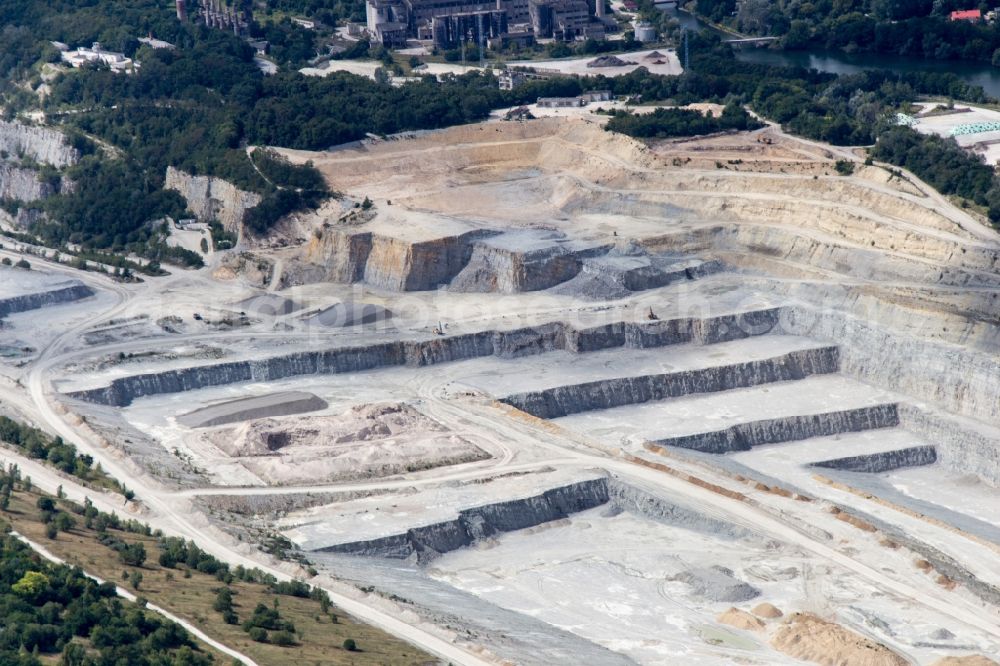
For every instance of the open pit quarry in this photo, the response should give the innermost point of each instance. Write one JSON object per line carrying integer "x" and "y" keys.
{"x": 561, "y": 397}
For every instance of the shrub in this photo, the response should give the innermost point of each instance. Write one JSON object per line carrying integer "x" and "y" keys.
{"x": 844, "y": 167}
{"x": 283, "y": 638}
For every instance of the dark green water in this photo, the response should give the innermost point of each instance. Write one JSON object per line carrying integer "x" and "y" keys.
{"x": 837, "y": 62}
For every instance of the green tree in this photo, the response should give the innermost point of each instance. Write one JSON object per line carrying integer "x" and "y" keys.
{"x": 31, "y": 585}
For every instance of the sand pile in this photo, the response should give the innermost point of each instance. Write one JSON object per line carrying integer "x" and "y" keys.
{"x": 361, "y": 423}
{"x": 363, "y": 442}
{"x": 811, "y": 638}
{"x": 741, "y": 619}
{"x": 767, "y": 611}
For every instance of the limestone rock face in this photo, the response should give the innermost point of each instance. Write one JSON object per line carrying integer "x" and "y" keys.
{"x": 384, "y": 261}
{"x": 886, "y": 461}
{"x": 41, "y": 145}
{"x": 475, "y": 524}
{"x": 403, "y": 266}
{"x": 342, "y": 255}
{"x": 212, "y": 198}
{"x": 20, "y": 184}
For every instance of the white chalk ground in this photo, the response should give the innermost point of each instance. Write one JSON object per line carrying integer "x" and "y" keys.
{"x": 33, "y": 329}
{"x": 671, "y": 64}
{"x": 368, "y": 67}
{"x": 359, "y": 67}
{"x": 943, "y": 124}
{"x": 266, "y": 66}
{"x": 189, "y": 239}
{"x": 789, "y": 460}
{"x": 962, "y": 493}
{"x": 607, "y": 579}
{"x": 19, "y": 282}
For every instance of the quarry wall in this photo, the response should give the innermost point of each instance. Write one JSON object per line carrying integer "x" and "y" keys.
{"x": 42, "y": 299}
{"x": 505, "y": 344}
{"x": 212, "y": 198}
{"x": 42, "y": 145}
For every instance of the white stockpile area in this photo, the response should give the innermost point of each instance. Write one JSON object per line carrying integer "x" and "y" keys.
{"x": 558, "y": 395}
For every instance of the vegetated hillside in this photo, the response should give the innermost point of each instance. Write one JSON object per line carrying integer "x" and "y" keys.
{"x": 197, "y": 107}
{"x": 943, "y": 164}
{"x": 51, "y": 609}
{"x": 919, "y": 28}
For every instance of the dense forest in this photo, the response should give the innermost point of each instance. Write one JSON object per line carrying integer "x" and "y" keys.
{"x": 663, "y": 123}
{"x": 919, "y": 28}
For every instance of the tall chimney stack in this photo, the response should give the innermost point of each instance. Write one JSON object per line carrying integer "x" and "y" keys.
{"x": 182, "y": 13}
{"x": 599, "y": 8}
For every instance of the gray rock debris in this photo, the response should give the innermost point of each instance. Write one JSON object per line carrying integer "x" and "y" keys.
{"x": 717, "y": 584}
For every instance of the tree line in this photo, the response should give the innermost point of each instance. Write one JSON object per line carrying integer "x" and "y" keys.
{"x": 915, "y": 28}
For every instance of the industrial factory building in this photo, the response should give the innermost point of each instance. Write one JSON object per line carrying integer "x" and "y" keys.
{"x": 451, "y": 22}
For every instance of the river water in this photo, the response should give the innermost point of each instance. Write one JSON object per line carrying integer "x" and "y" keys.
{"x": 838, "y": 62}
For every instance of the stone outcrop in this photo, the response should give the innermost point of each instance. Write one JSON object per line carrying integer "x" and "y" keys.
{"x": 619, "y": 391}
{"x": 615, "y": 276}
{"x": 20, "y": 184}
{"x": 717, "y": 584}
{"x": 66, "y": 294}
{"x": 505, "y": 344}
{"x": 516, "y": 262}
{"x": 963, "y": 381}
{"x": 346, "y": 255}
{"x": 486, "y": 261}
{"x": 339, "y": 256}
{"x": 885, "y": 461}
{"x": 212, "y": 198}
{"x": 400, "y": 265}
{"x": 45, "y": 146}
{"x": 744, "y": 436}
{"x": 23, "y": 218}
{"x": 632, "y": 500}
